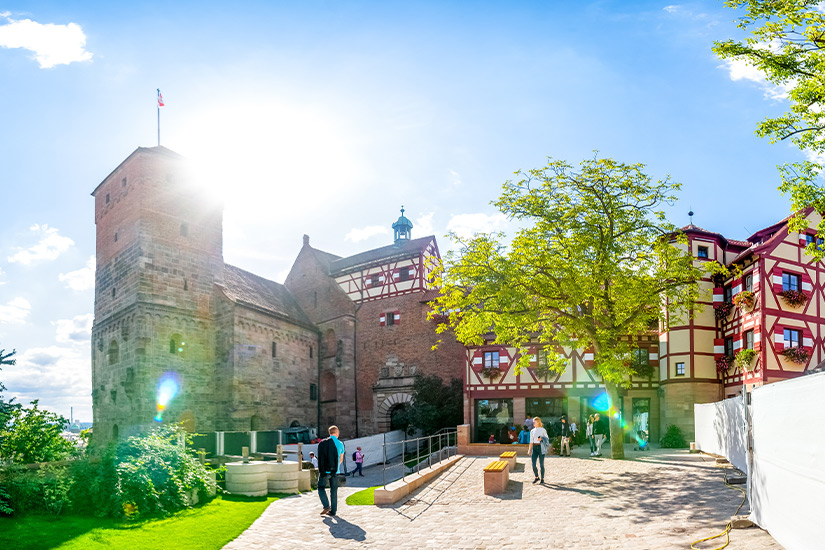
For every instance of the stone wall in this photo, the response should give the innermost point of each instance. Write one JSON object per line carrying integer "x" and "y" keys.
{"x": 676, "y": 405}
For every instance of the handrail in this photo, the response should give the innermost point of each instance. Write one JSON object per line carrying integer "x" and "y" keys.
{"x": 443, "y": 438}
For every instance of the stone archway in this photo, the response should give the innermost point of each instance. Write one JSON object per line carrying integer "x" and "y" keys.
{"x": 385, "y": 409}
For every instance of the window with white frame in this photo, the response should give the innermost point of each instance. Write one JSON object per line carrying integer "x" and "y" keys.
{"x": 491, "y": 359}
{"x": 792, "y": 337}
{"x": 680, "y": 369}
{"x": 790, "y": 281}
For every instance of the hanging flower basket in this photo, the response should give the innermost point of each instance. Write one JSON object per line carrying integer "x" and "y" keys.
{"x": 493, "y": 373}
{"x": 794, "y": 298}
{"x": 722, "y": 310}
{"x": 797, "y": 355}
{"x": 744, "y": 300}
{"x": 744, "y": 359}
{"x": 724, "y": 363}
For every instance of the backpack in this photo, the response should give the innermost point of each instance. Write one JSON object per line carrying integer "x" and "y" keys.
{"x": 353, "y": 456}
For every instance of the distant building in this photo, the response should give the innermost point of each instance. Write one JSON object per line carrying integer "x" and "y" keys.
{"x": 179, "y": 335}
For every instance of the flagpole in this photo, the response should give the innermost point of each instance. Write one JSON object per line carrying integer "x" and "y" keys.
{"x": 158, "y": 125}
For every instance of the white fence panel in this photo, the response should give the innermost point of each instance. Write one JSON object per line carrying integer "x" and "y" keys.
{"x": 720, "y": 430}
{"x": 371, "y": 446}
{"x": 788, "y": 478}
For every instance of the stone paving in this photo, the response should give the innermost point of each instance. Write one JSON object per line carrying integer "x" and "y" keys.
{"x": 656, "y": 499}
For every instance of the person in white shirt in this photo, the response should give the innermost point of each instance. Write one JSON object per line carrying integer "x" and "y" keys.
{"x": 313, "y": 459}
{"x": 539, "y": 443}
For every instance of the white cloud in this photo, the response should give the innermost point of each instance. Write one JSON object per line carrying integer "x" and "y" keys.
{"x": 52, "y": 44}
{"x": 356, "y": 235}
{"x": 77, "y": 330}
{"x": 81, "y": 279}
{"x": 741, "y": 69}
{"x": 455, "y": 178}
{"x": 467, "y": 225}
{"x": 15, "y": 312}
{"x": 424, "y": 225}
{"x": 1, "y": 274}
{"x": 58, "y": 376}
{"x": 49, "y": 247}
{"x": 673, "y": 8}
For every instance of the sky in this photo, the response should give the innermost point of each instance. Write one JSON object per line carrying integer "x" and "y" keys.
{"x": 323, "y": 118}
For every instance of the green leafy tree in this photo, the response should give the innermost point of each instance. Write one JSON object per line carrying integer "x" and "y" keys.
{"x": 33, "y": 435}
{"x": 786, "y": 42}
{"x": 435, "y": 404}
{"x": 594, "y": 265}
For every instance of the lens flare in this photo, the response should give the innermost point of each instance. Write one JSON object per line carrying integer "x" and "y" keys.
{"x": 167, "y": 389}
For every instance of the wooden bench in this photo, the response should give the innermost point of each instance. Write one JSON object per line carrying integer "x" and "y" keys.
{"x": 510, "y": 457}
{"x": 496, "y": 476}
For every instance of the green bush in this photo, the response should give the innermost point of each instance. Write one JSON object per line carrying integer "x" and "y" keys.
{"x": 31, "y": 434}
{"x": 673, "y": 438}
{"x": 42, "y": 491}
{"x": 151, "y": 474}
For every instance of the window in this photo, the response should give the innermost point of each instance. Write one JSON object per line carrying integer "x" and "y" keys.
{"x": 114, "y": 292}
{"x": 680, "y": 369}
{"x": 491, "y": 359}
{"x": 790, "y": 281}
{"x": 809, "y": 239}
{"x": 728, "y": 346}
{"x": 313, "y": 392}
{"x": 274, "y": 349}
{"x": 749, "y": 339}
{"x": 703, "y": 252}
{"x": 123, "y": 182}
{"x": 114, "y": 352}
{"x": 390, "y": 318}
{"x": 310, "y": 351}
{"x": 641, "y": 357}
{"x": 184, "y": 230}
{"x": 728, "y": 294}
{"x": 405, "y": 274}
{"x": 493, "y": 417}
{"x": 176, "y": 345}
{"x": 115, "y": 236}
{"x": 375, "y": 279}
{"x": 107, "y": 198}
{"x": 749, "y": 282}
{"x": 793, "y": 338}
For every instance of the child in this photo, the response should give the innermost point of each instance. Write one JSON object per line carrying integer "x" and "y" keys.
{"x": 492, "y": 439}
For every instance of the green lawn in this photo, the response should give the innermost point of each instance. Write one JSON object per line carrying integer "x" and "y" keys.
{"x": 367, "y": 496}
{"x": 210, "y": 526}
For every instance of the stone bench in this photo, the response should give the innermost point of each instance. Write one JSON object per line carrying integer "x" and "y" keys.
{"x": 510, "y": 458}
{"x": 496, "y": 476}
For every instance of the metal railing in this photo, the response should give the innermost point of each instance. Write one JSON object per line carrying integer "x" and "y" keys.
{"x": 427, "y": 450}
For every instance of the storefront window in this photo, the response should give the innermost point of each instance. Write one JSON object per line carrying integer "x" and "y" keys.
{"x": 549, "y": 409}
{"x": 641, "y": 419}
{"x": 493, "y": 417}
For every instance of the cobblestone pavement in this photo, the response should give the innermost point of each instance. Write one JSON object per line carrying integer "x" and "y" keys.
{"x": 658, "y": 499}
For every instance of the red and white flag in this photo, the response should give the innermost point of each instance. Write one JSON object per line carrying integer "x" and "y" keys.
{"x": 160, "y": 99}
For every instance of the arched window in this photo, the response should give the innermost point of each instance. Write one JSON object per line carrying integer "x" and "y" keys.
{"x": 115, "y": 431}
{"x": 177, "y": 345}
{"x": 114, "y": 352}
{"x": 255, "y": 423}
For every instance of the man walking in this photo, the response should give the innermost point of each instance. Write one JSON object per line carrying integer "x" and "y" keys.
{"x": 330, "y": 456}
{"x": 598, "y": 434}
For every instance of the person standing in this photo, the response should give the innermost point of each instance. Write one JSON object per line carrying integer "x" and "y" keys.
{"x": 313, "y": 459}
{"x": 359, "y": 462}
{"x": 598, "y": 433}
{"x": 565, "y": 436}
{"x": 330, "y": 456}
{"x": 524, "y": 435}
{"x": 539, "y": 443}
{"x": 589, "y": 434}
{"x": 574, "y": 428}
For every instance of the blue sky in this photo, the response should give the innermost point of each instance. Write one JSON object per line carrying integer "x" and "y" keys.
{"x": 324, "y": 117}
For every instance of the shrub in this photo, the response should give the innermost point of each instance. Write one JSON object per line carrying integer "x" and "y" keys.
{"x": 42, "y": 491}
{"x": 33, "y": 435}
{"x": 555, "y": 445}
{"x": 673, "y": 438}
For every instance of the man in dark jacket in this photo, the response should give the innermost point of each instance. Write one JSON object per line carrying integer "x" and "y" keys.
{"x": 564, "y": 432}
{"x": 599, "y": 433}
{"x": 329, "y": 458}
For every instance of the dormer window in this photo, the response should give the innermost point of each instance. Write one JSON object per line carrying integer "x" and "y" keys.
{"x": 703, "y": 252}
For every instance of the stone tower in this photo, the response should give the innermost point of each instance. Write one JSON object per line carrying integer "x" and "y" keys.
{"x": 159, "y": 255}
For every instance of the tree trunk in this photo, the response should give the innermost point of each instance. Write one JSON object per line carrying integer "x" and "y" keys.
{"x": 616, "y": 431}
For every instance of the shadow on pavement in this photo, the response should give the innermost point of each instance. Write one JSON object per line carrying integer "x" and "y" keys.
{"x": 557, "y": 487}
{"x": 342, "y": 529}
{"x": 515, "y": 491}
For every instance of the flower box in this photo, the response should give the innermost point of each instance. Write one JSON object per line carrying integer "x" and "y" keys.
{"x": 744, "y": 300}
{"x": 744, "y": 359}
{"x": 797, "y": 355}
{"x": 724, "y": 364}
{"x": 493, "y": 373}
{"x": 794, "y": 298}
{"x": 722, "y": 310}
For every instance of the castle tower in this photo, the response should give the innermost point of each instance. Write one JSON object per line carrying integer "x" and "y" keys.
{"x": 159, "y": 255}
{"x": 402, "y": 228}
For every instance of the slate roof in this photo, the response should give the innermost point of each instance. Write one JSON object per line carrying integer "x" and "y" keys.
{"x": 248, "y": 289}
{"x": 403, "y": 249}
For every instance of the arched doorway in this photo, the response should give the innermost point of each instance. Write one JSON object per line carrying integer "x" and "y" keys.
{"x": 398, "y": 417}
{"x": 384, "y": 420}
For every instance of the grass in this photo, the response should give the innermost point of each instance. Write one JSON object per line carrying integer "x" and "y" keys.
{"x": 212, "y": 525}
{"x": 367, "y": 496}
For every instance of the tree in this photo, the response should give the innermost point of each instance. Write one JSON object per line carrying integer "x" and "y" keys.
{"x": 787, "y": 43}
{"x": 594, "y": 266}
{"x": 33, "y": 435}
{"x": 435, "y": 405}
{"x": 6, "y": 407}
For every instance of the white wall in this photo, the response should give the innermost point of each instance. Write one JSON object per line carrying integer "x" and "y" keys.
{"x": 788, "y": 478}
{"x": 371, "y": 446}
{"x": 720, "y": 430}
{"x": 788, "y": 464}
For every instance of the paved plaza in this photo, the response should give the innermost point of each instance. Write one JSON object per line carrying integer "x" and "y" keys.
{"x": 656, "y": 499}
